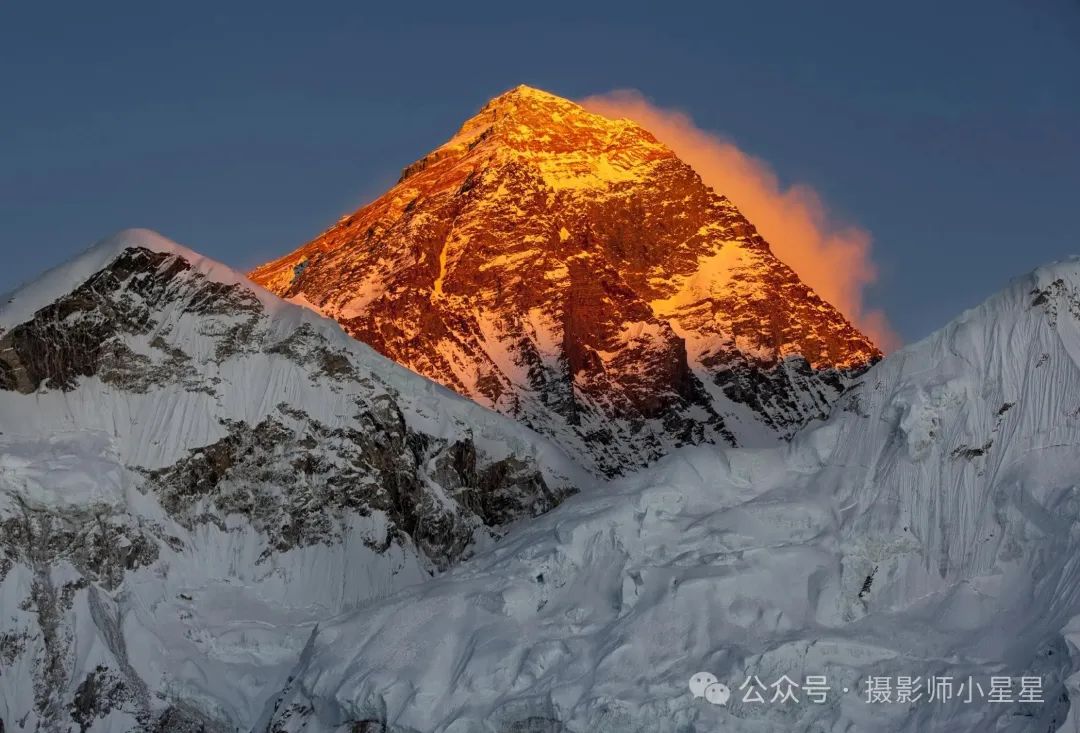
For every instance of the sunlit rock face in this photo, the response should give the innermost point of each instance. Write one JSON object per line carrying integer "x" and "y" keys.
{"x": 570, "y": 271}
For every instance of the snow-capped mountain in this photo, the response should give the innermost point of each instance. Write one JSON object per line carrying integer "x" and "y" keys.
{"x": 570, "y": 271}
{"x": 929, "y": 528}
{"x": 193, "y": 473}
{"x": 219, "y": 511}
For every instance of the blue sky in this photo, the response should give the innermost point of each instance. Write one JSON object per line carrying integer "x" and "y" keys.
{"x": 947, "y": 130}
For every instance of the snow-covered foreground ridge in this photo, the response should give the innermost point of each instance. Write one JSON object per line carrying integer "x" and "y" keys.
{"x": 929, "y": 527}
{"x": 218, "y": 512}
{"x": 193, "y": 473}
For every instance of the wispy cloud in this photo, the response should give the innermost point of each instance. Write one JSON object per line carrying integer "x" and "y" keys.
{"x": 833, "y": 258}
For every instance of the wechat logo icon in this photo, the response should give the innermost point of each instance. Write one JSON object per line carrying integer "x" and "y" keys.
{"x": 705, "y": 684}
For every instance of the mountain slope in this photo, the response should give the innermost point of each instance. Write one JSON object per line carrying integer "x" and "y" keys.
{"x": 927, "y": 529}
{"x": 570, "y": 271}
{"x": 193, "y": 473}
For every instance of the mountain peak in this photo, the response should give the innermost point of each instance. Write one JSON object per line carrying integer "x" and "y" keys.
{"x": 20, "y": 304}
{"x": 569, "y": 270}
{"x": 523, "y": 94}
{"x": 572, "y": 147}
{"x": 538, "y": 108}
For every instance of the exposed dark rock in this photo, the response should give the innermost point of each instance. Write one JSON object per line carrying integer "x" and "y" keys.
{"x": 12, "y": 645}
{"x": 305, "y": 347}
{"x": 967, "y": 452}
{"x": 296, "y": 482}
{"x": 80, "y": 335}
{"x": 535, "y": 725}
{"x": 102, "y": 545}
{"x": 96, "y": 697}
{"x": 182, "y": 718}
{"x": 867, "y": 584}
{"x": 1055, "y": 296}
{"x": 368, "y": 726}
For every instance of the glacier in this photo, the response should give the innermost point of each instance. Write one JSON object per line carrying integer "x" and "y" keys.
{"x": 927, "y": 528}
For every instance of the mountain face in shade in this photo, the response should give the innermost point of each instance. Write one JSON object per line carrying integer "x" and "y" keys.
{"x": 930, "y": 524}
{"x": 194, "y": 473}
{"x": 570, "y": 271}
{"x": 220, "y": 513}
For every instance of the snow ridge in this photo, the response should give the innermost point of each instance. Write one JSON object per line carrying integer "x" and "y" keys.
{"x": 927, "y": 528}
{"x": 194, "y": 473}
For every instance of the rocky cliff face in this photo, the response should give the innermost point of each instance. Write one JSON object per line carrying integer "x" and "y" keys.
{"x": 570, "y": 271}
{"x": 181, "y": 451}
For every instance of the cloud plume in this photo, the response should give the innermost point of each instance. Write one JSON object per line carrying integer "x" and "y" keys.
{"x": 833, "y": 259}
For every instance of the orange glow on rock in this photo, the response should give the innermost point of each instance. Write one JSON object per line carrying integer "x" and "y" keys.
{"x": 832, "y": 259}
